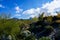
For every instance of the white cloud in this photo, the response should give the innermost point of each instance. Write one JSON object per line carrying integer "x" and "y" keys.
{"x": 32, "y": 12}
{"x": 52, "y": 6}
{"x": 18, "y": 9}
{"x": 17, "y": 15}
{"x": 32, "y": 16}
{"x": 49, "y": 8}
{"x": 1, "y": 6}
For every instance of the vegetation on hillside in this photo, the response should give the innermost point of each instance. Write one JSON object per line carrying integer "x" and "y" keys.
{"x": 41, "y": 28}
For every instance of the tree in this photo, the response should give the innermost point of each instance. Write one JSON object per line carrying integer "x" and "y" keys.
{"x": 41, "y": 17}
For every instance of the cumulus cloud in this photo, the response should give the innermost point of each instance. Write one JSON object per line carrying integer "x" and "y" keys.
{"x": 1, "y": 6}
{"x": 18, "y": 9}
{"x": 49, "y": 8}
{"x": 32, "y": 12}
{"x": 52, "y": 6}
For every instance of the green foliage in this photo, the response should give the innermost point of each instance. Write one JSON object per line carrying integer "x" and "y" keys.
{"x": 41, "y": 17}
{"x": 30, "y": 38}
{"x": 49, "y": 19}
{"x": 9, "y": 27}
{"x": 35, "y": 19}
{"x": 49, "y": 27}
{"x": 18, "y": 29}
{"x": 45, "y": 38}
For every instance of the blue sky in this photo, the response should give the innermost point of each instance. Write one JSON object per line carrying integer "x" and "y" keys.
{"x": 28, "y": 8}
